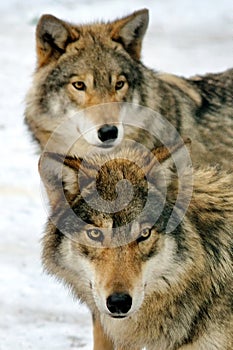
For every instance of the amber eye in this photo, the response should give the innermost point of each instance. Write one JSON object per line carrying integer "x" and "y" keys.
{"x": 95, "y": 235}
{"x": 79, "y": 85}
{"x": 145, "y": 234}
{"x": 119, "y": 84}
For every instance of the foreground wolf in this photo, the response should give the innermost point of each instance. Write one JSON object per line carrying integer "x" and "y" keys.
{"x": 145, "y": 286}
{"x": 81, "y": 66}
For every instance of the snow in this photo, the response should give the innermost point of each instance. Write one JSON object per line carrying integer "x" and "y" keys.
{"x": 184, "y": 37}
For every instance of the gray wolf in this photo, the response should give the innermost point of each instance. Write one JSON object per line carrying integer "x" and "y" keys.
{"x": 80, "y": 67}
{"x": 144, "y": 286}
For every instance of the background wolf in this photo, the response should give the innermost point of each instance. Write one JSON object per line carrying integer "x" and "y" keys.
{"x": 145, "y": 287}
{"x": 81, "y": 66}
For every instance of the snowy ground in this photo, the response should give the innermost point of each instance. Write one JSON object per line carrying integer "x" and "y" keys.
{"x": 184, "y": 37}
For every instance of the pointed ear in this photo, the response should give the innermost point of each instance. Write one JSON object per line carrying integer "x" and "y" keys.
{"x": 130, "y": 30}
{"x": 60, "y": 182}
{"x": 163, "y": 153}
{"x": 52, "y": 37}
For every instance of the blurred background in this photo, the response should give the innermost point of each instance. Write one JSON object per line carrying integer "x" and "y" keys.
{"x": 184, "y": 37}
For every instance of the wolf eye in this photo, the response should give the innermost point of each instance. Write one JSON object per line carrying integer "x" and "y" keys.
{"x": 119, "y": 84}
{"x": 79, "y": 85}
{"x": 145, "y": 234}
{"x": 95, "y": 235}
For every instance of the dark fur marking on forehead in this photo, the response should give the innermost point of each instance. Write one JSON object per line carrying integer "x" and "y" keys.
{"x": 107, "y": 54}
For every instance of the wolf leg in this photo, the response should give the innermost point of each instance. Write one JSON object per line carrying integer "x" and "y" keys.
{"x": 101, "y": 341}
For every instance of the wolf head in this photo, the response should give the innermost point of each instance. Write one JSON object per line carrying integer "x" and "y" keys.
{"x": 108, "y": 223}
{"x": 79, "y": 68}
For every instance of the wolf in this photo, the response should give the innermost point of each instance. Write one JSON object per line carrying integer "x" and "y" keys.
{"x": 93, "y": 70}
{"x": 146, "y": 286}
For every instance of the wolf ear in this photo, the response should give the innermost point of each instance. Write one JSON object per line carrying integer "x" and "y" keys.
{"x": 52, "y": 37}
{"x": 60, "y": 182}
{"x": 163, "y": 153}
{"x": 130, "y": 30}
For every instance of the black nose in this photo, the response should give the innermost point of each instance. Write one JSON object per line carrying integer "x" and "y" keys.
{"x": 107, "y": 133}
{"x": 119, "y": 303}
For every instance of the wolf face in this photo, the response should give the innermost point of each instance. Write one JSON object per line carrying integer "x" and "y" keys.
{"x": 80, "y": 67}
{"x": 118, "y": 229}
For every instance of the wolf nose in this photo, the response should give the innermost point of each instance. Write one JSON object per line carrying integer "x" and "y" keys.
{"x": 119, "y": 303}
{"x": 107, "y": 133}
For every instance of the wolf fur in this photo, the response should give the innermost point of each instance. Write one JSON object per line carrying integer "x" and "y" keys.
{"x": 82, "y": 66}
{"x": 180, "y": 282}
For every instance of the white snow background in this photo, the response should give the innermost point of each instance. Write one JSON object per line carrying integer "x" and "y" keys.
{"x": 184, "y": 37}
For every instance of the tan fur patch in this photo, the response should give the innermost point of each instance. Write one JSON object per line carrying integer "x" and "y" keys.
{"x": 182, "y": 85}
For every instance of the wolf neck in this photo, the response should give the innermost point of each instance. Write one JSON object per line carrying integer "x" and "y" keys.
{"x": 170, "y": 89}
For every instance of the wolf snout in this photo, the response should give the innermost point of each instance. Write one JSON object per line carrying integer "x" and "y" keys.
{"x": 108, "y": 133}
{"x": 119, "y": 304}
